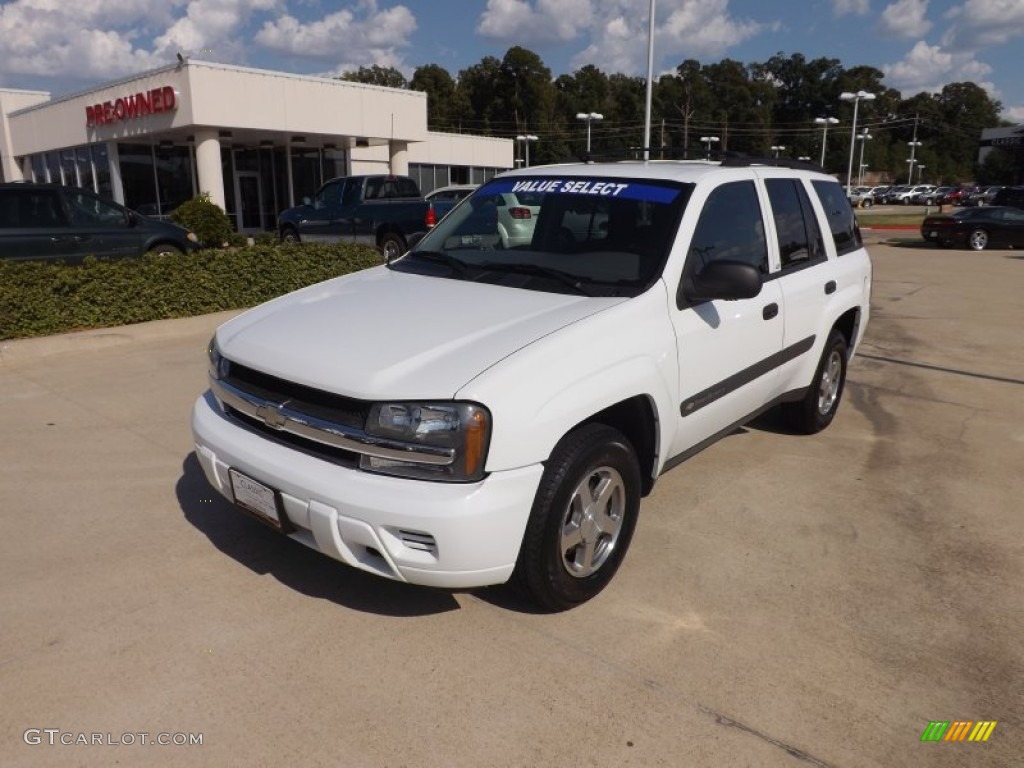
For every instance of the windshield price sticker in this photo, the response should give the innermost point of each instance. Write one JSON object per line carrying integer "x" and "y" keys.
{"x": 598, "y": 187}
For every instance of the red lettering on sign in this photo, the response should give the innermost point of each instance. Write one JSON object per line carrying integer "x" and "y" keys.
{"x": 162, "y": 99}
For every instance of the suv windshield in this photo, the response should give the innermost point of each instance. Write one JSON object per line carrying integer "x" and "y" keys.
{"x": 592, "y": 236}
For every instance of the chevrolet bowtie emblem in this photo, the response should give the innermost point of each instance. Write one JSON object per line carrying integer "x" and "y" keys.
{"x": 271, "y": 416}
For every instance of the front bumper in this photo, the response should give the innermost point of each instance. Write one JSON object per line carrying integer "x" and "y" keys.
{"x": 437, "y": 534}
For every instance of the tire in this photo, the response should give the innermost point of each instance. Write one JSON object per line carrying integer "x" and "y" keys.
{"x": 290, "y": 236}
{"x": 392, "y": 246}
{"x": 164, "y": 249}
{"x": 574, "y": 542}
{"x": 977, "y": 240}
{"x": 819, "y": 405}
{"x": 866, "y": 204}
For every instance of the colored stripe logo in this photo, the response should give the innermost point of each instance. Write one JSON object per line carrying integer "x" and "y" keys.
{"x": 958, "y": 730}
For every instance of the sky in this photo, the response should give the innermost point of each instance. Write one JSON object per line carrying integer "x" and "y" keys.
{"x": 64, "y": 46}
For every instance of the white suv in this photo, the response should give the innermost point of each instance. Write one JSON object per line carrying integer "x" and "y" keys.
{"x": 471, "y": 413}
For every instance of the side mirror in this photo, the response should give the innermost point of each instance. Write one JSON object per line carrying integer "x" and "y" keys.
{"x": 728, "y": 280}
{"x": 133, "y": 218}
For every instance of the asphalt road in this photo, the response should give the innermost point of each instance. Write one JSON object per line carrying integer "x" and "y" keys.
{"x": 787, "y": 601}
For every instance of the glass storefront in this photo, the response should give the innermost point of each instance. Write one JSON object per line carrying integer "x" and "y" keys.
{"x": 430, "y": 177}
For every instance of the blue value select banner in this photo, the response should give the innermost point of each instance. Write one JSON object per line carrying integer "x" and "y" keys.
{"x": 618, "y": 188}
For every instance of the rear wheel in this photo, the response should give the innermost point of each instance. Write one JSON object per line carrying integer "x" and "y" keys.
{"x": 819, "y": 405}
{"x": 392, "y": 246}
{"x": 978, "y": 240}
{"x": 582, "y": 520}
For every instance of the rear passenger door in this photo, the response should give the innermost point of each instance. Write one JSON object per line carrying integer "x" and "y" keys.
{"x": 804, "y": 275}
{"x": 100, "y": 228}
{"x": 728, "y": 351}
{"x": 33, "y": 224}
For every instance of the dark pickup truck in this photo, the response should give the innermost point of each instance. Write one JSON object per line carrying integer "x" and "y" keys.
{"x": 379, "y": 210}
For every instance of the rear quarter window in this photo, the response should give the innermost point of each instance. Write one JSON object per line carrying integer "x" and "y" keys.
{"x": 839, "y": 212}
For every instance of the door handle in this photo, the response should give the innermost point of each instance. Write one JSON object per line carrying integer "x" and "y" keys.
{"x": 770, "y": 311}
{"x": 830, "y": 286}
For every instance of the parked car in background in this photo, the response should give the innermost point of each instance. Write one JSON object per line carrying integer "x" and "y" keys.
{"x": 909, "y": 194}
{"x": 1011, "y": 196}
{"x": 51, "y": 221}
{"x": 860, "y": 197}
{"x": 931, "y": 197}
{"x": 989, "y": 226}
{"x": 957, "y": 196}
{"x": 889, "y": 198}
{"x": 450, "y": 194}
{"x": 381, "y": 210}
{"x": 983, "y": 196}
{"x": 879, "y": 193}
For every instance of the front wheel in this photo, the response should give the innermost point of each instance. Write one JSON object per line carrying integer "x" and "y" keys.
{"x": 978, "y": 240}
{"x": 392, "y": 246}
{"x": 866, "y": 204}
{"x": 582, "y": 520}
{"x": 289, "y": 236}
{"x": 819, "y": 405}
{"x": 164, "y": 249}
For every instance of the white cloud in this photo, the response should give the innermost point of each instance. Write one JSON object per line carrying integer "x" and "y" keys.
{"x": 109, "y": 38}
{"x": 693, "y": 28}
{"x": 929, "y": 67}
{"x": 352, "y": 37}
{"x": 856, "y": 7}
{"x": 980, "y": 24}
{"x": 1016, "y": 114}
{"x": 905, "y": 18}
{"x": 547, "y": 21}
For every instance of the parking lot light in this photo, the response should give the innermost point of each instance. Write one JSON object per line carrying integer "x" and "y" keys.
{"x": 856, "y": 98}
{"x": 589, "y": 117}
{"x": 824, "y": 122}
{"x": 526, "y": 139}
{"x": 707, "y": 141}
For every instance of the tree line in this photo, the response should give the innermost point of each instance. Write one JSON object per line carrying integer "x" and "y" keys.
{"x": 759, "y": 109}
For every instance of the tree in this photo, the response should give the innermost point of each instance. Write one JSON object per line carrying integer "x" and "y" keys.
{"x": 377, "y": 75}
{"x": 476, "y": 94}
{"x": 444, "y": 105}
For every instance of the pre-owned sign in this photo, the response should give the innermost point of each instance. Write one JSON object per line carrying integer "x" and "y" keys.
{"x": 131, "y": 107}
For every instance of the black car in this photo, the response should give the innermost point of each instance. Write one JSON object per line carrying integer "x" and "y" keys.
{"x": 50, "y": 221}
{"x": 977, "y": 228}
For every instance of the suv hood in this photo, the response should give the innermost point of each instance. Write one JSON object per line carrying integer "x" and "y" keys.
{"x": 380, "y": 334}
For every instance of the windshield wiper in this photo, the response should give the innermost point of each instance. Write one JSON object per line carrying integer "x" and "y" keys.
{"x": 525, "y": 268}
{"x": 457, "y": 266}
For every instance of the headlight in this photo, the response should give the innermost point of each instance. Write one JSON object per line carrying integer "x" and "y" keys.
{"x": 219, "y": 366}
{"x": 463, "y": 427}
{"x": 191, "y": 237}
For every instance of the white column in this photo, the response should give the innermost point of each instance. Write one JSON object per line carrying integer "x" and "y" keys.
{"x": 208, "y": 167}
{"x": 399, "y": 151}
{"x": 114, "y": 159}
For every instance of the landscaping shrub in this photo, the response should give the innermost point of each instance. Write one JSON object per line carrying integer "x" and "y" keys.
{"x": 38, "y": 298}
{"x": 211, "y": 225}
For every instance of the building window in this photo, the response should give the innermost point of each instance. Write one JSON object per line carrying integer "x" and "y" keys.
{"x": 137, "y": 178}
{"x": 84, "y": 162}
{"x": 101, "y": 167}
{"x": 53, "y": 168}
{"x": 38, "y": 169}
{"x": 174, "y": 178}
{"x": 67, "y": 165}
{"x": 305, "y": 172}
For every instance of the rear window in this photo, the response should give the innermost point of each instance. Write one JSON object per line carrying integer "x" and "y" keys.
{"x": 841, "y": 220}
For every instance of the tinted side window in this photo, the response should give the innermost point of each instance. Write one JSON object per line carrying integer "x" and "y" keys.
{"x": 407, "y": 188}
{"x": 30, "y": 208}
{"x": 90, "y": 210}
{"x": 328, "y": 196}
{"x": 730, "y": 227}
{"x": 840, "y": 216}
{"x": 795, "y": 223}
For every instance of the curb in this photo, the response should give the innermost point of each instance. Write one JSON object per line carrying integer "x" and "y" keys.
{"x": 38, "y": 347}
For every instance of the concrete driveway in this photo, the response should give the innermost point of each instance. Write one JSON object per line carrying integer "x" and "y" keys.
{"x": 787, "y": 601}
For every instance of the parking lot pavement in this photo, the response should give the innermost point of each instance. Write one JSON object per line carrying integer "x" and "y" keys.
{"x": 787, "y": 601}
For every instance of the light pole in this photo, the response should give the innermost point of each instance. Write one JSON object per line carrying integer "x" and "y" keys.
{"x": 920, "y": 173}
{"x": 526, "y": 139}
{"x": 589, "y": 117}
{"x": 650, "y": 82}
{"x": 776, "y": 148}
{"x": 913, "y": 146}
{"x": 707, "y": 141}
{"x": 824, "y": 122}
{"x": 856, "y": 99}
{"x": 862, "y": 138}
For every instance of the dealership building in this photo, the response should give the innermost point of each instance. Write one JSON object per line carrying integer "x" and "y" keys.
{"x": 255, "y": 141}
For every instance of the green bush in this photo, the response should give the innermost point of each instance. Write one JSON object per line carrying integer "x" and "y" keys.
{"x": 211, "y": 225}
{"x": 38, "y": 298}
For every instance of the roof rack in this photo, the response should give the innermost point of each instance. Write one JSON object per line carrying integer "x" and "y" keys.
{"x": 727, "y": 158}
